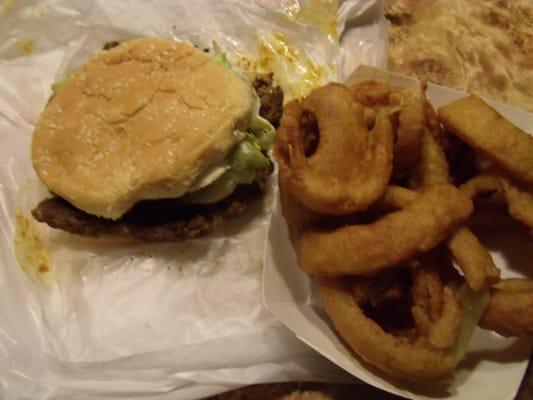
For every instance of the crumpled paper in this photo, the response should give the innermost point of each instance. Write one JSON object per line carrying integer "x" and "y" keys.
{"x": 178, "y": 321}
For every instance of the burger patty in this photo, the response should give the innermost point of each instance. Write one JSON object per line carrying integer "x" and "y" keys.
{"x": 151, "y": 220}
{"x": 271, "y": 98}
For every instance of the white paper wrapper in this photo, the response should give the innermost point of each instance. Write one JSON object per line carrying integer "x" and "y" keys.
{"x": 176, "y": 321}
{"x": 493, "y": 367}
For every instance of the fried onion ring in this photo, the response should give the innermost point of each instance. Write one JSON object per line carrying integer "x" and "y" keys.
{"x": 411, "y": 127}
{"x": 411, "y": 359}
{"x": 427, "y": 291}
{"x": 491, "y": 135}
{"x": 407, "y": 107}
{"x": 436, "y": 309}
{"x": 363, "y": 249}
{"x": 471, "y": 256}
{"x": 473, "y": 259}
{"x": 510, "y": 309}
{"x": 519, "y": 201}
{"x": 480, "y": 185}
{"x": 432, "y": 167}
{"x": 295, "y": 213}
{"x": 326, "y": 155}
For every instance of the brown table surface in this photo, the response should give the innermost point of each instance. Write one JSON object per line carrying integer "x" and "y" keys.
{"x": 504, "y": 23}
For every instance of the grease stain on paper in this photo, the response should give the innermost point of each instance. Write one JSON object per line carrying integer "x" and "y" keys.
{"x": 30, "y": 251}
{"x": 26, "y": 45}
{"x": 5, "y": 6}
{"x": 273, "y": 55}
{"x": 320, "y": 13}
{"x": 293, "y": 70}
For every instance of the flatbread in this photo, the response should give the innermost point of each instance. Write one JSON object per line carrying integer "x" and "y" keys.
{"x": 480, "y": 46}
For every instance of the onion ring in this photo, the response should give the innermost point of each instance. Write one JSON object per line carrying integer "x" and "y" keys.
{"x": 345, "y": 169}
{"x": 432, "y": 167}
{"x": 491, "y": 135}
{"x": 480, "y": 185}
{"x": 519, "y": 201}
{"x": 363, "y": 249}
{"x": 426, "y": 292}
{"x": 413, "y": 360}
{"x": 411, "y": 127}
{"x": 407, "y": 106}
{"x": 436, "y": 309}
{"x": 510, "y": 309}
{"x": 295, "y": 213}
{"x": 473, "y": 259}
{"x": 471, "y": 256}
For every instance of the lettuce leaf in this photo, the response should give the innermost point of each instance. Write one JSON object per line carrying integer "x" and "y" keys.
{"x": 219, "y": 189}
{"x": 248, "y": 158}
{"x": 221, "y": 59}
{"x": 260, "y": 127}
{"x": 247, "y": 161}
{"x": 57, "y": 86}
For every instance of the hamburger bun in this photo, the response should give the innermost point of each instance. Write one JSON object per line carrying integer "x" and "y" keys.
{"x": 140, "y": 121}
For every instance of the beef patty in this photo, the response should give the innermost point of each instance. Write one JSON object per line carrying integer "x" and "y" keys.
{"x": 271, "y": 98}
{"x": 151, "y": 220}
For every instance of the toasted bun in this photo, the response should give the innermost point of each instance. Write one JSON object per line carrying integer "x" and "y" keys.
{"x": 140, "y": 121}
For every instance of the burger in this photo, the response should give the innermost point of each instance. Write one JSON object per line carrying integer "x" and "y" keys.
{"x": 153, "y": 139}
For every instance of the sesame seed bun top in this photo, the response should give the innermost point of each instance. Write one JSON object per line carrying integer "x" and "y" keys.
{"x": 140, "y": 121}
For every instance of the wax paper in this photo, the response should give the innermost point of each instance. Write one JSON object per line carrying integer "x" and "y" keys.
{"x": 81, "y": 319}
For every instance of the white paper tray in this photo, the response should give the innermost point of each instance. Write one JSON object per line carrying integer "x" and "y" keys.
{"x": 493, "y": 367}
